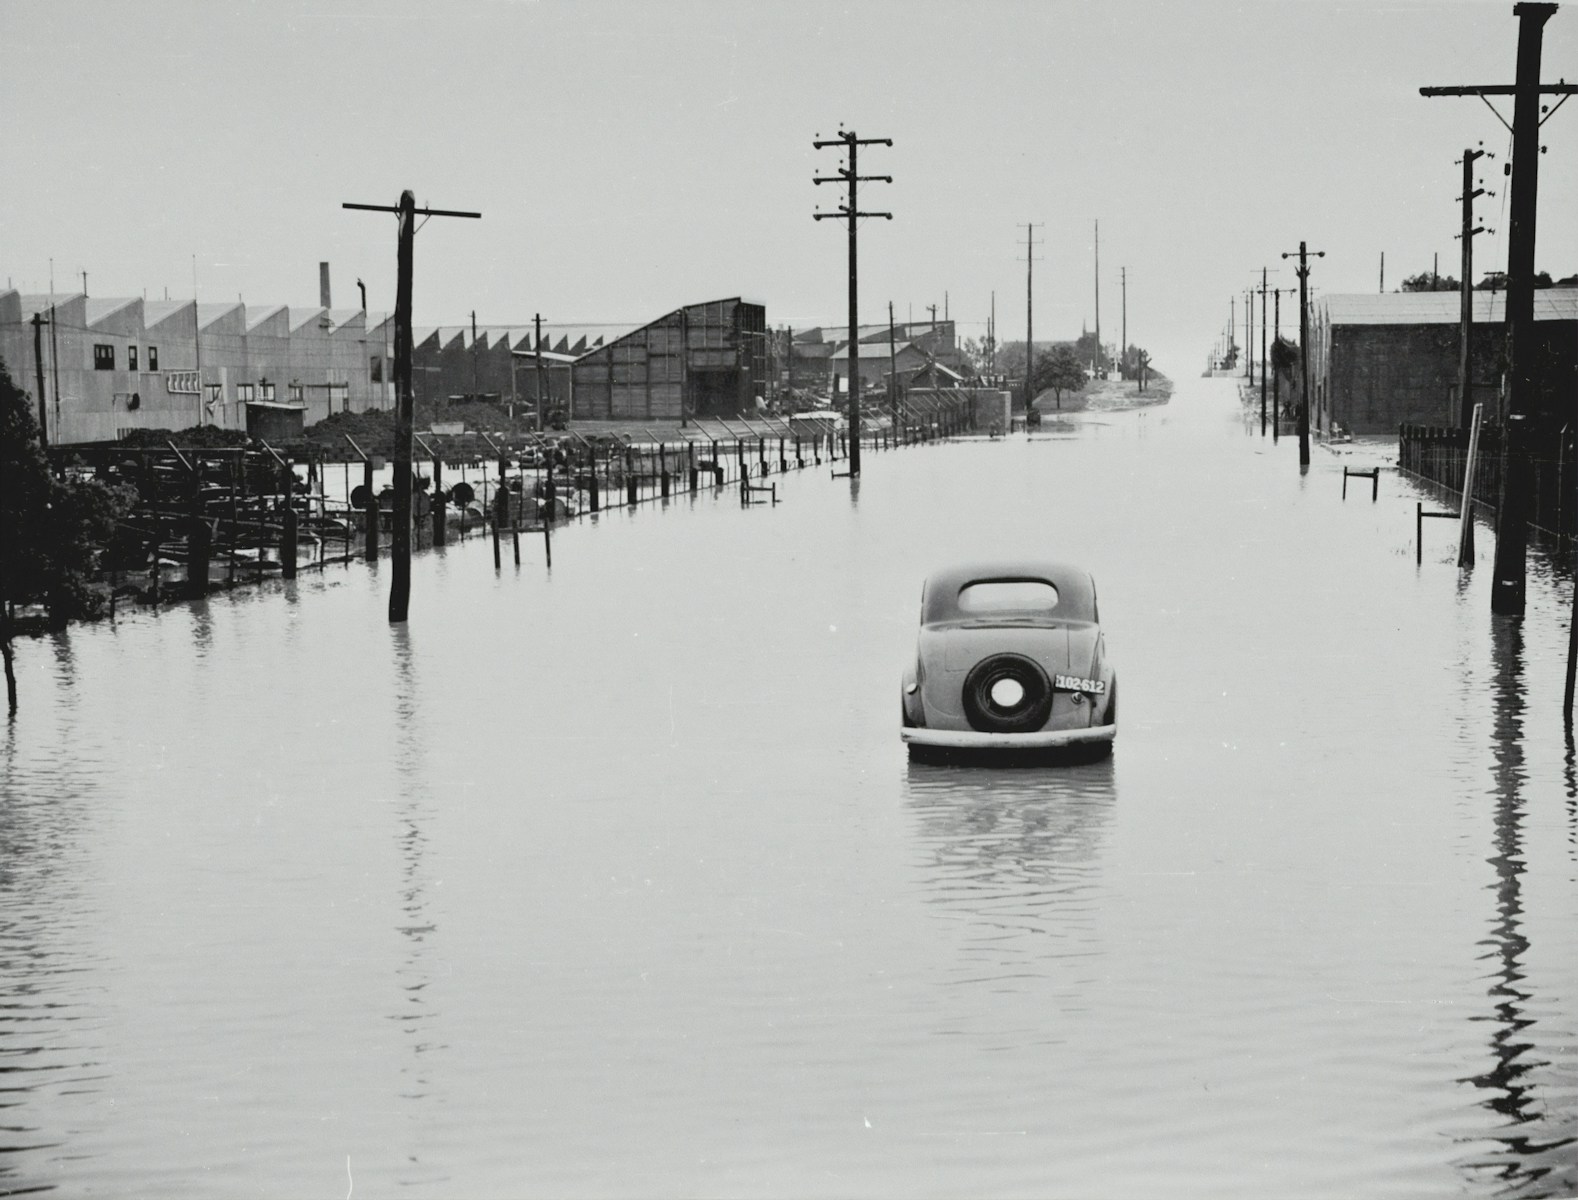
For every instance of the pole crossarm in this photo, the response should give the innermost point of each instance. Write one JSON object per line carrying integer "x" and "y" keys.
{"x": 421, "y": 212}
{"x": 1499, "y": 89}
{"x": 1485, "y": 90}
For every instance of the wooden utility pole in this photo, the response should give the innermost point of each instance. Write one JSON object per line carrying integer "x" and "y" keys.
{"x": 1030, "y": 313}
{"x": 1465, "y": 362}
{"x": 405, "y": 400}
{"x": 1304, "y": 349}
{"x": 1098, "y": 297}
{"x": 476, "y": 387}
{"x": 1123, "y": 347}
{"x": 1276, "y": 376}
{"x": 1263, "y": 274}
{"x": 1507, "y": 595}
{"x": 893, "y": 369}
{"x": 991, "y": 338}
{"x": 1383, "y": 270}
{"x": 850, "y": 211}
{"x": 38, "y": 365}
{"x": 542, "y": 414}
{"x": 1249, "y": 333}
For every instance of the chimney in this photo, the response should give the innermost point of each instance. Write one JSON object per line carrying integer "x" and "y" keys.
{"x": 323, "y": 285}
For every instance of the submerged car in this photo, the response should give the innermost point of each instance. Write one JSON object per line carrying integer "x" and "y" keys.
{"x": 1010, "y": 657}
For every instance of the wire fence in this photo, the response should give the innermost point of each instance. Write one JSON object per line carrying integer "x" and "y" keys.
{"x": 1439, "y": 455}
{"x": 219, "y": 517}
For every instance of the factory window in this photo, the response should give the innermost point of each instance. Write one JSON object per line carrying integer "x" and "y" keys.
{"x": 377, "y": 368}
{"x": 244, "y": 393}
{"x": 153, "y": 358}
{"x": 131, "y": 358}
{"x": 296, "y": 394}
{"x": 103, "y": 357}
{"x": 266, "y": 391}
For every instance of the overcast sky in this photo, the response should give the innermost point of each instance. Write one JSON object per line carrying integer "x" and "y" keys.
{"x": 628, "y": 158}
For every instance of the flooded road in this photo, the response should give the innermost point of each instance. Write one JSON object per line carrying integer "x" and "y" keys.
{"x": 617, "y": 881}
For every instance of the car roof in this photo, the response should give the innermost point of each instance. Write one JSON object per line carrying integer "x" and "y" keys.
{"x": 1075, "y": 587}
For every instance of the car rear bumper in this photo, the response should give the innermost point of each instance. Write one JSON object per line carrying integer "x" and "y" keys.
{"x": 970, "y": 739}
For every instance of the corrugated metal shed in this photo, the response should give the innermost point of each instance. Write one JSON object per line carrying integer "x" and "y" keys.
{"x": 1440, "y": 308}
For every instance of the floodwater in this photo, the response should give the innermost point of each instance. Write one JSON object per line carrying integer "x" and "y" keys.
{"x": 616, "y": 881}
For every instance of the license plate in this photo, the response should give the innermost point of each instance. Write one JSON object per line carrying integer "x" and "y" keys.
{"x": 1073, "y": 683}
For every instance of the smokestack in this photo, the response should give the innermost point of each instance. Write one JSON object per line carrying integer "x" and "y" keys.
{"x": 323, "y": 285}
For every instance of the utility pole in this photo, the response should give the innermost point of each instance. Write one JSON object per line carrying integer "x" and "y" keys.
{"x": 1249, "y": 333}
{"x": 1465, "y": 362}
{"x": 991, "y": 337}
{"x": 54, "y": 365}
{"x": 893, "y": 369}
{"x": 1263, "y": 273}
{"x": 1030, "y": 311}
{"x": 405, "y": 400}
{"x": 38, "y": 366}
{"x": 476, "y": 388}
{"x": 1304, "y": 349}
{"x": 1507, "y": 595}
{"x": 1383, "y": 270}
{"x": 850, "y": 211}
{"x": 1098, "y": 298}
{"x": 1232, "y": 324}
{"x": 1123, "y": 348}
{"x": 541, "y": 411}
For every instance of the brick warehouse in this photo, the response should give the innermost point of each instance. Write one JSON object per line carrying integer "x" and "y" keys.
{"x": 1383, "y": 360}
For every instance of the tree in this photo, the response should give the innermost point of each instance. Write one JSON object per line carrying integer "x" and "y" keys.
{"x": 1428, "y": 281}
{"x": 1496, "y": 281}
{"x": 1057, "y": 371}
{"x": 51, "y": 528}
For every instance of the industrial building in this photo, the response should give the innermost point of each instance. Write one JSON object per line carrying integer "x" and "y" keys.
{"x": 819, "y": 356}
{"x": 702, "y": 360}
{"x": 112, "y": 365}
{"x": 1380, "y": 360}
{"x": 122, "y": 363}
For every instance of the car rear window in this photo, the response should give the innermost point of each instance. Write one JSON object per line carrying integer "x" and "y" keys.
{"x": 997, "y": 596}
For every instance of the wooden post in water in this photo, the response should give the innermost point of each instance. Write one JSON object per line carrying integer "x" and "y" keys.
{"x": 197, "y": 539}
{"x": 288, "y": 525}
{"x": 1465, "y": 533}
{"x": 547, "y": 517}
{"x": 500, "y": 508}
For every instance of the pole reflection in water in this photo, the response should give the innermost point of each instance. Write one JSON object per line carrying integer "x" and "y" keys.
{"x": 414, "y": 974}
{"x": 1013, "y": 855}
{"x": 1525, "y": 1154}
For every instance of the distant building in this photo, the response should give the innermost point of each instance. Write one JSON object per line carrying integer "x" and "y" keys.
{"x": 820, "y": 354}
{"x": 702, "y": 360}
{"x": 499, "y": 362}
{"x": 123, "y": 363}
{"x": 1379, "y": 360}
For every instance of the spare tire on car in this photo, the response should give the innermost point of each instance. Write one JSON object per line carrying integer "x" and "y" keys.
{"x": 1021, "y": 705}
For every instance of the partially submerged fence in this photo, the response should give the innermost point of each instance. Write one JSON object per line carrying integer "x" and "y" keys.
{"x": 1438, "y": 454}
{"x": 218, "y": 517}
